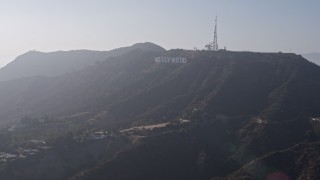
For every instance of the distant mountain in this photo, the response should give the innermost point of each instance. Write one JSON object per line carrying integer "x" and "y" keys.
{"x": 313, "y": 57}
{"x": 34, "y": 63}
{"x": 239, "y": 107}
{"x": 271, "y": 85}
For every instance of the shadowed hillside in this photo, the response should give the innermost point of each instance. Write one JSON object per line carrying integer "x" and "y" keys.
{"x": 298, "y": 162}
{"x": 209, "y": 116}
{"x": 230, "y": 83}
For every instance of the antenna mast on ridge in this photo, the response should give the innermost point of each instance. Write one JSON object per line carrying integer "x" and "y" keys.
{"x": 213, "y": 46}
{"x": 215, "y": 39}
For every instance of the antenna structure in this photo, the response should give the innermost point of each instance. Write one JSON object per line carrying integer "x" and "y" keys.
{"x": 213, "y": 46}
{"x": 215, "y": 38}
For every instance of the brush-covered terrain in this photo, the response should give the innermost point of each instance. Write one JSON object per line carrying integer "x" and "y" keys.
{"x": 221, "y": 115}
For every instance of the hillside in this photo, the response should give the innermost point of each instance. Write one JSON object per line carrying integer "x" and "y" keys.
{"x": 34, "y": 63}
{"x": 298, "y": 162}
{"x": 207, "y": 118}
{"x": 271, "y": 86}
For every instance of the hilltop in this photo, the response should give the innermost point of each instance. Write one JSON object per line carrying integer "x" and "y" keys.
{"x": 35, "y": 63}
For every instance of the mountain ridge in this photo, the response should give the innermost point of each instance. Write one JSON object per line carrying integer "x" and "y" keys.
{"x": 50, "y": 64}
{"x": 139, "y": 67}
{"x": 215, "y": 114}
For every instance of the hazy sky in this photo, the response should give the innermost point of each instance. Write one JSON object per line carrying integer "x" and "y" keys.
{"x": 255, "y": 25}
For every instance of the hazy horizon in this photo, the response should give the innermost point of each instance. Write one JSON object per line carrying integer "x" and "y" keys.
{"x": 47, "y": 26}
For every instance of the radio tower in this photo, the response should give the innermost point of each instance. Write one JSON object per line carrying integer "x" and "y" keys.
{"x": 215, "y": 38}
{"x": 213, "y": 46}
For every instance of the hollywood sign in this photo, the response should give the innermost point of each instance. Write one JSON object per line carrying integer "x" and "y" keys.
{"x": 170, "y": 60}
